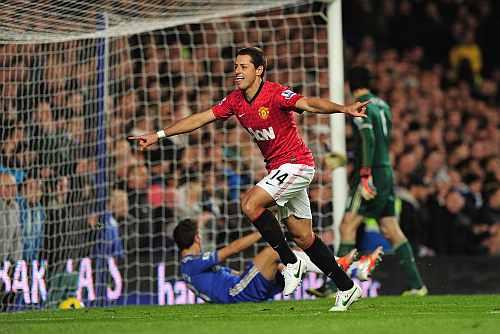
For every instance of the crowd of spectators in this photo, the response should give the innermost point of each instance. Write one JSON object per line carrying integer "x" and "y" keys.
{"x": 441, "y": 78}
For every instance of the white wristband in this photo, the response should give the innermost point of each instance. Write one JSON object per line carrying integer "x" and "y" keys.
{"x": 161, "y": 134}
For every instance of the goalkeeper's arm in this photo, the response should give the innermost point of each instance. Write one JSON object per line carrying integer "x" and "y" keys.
{"x": 365, "y": 127}
{"x": 184, "y": 125}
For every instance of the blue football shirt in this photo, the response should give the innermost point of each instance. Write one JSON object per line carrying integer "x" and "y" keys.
{"x": 210, "y": 280}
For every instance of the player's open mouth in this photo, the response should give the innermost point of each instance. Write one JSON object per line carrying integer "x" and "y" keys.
{"x": 238, "y": 79}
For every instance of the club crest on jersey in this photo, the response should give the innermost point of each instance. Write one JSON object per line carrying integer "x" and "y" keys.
{"x": 264, "y": 112}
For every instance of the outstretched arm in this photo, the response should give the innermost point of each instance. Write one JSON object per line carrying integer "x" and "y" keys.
{"x": 238, "y": 245}
{"x": 325, "y": 106}
{"x": 184, "y": 125}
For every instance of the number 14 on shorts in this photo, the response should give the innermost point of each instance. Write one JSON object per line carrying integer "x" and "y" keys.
{"x": 277, "y": 178}
{"x": 287, "y": 185}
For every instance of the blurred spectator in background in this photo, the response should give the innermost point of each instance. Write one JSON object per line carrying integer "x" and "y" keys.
{"x": 492, "y": 207}
{"x": 194, "y": 208}
{"x": 452, "y": 232}
{"x": 140, "y": 209}
{"x": 55, "y": 147}
{"x": 119, "y": 208}
{"x": 411, "y": 216}
{"x": 59, "y": 213}
{"x": 322, "y": 212}
{"x": 14, "y": 139}
{"x": 86, "y": 207}
{"x": 109, "y": 242}
{"x": 160, "y": 196}
{"x": 490, "y": 219}
{"x": 11, "y": 247}
{"x": 122, "y": 160}
{"x": 466, "y": 60}
{"x": 32, "y": 218}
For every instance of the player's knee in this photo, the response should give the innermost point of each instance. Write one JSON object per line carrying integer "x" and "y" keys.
{"x": 243, "y": 197}
{"x": 250, "y": 209}
{"x": 391, "y": 231}
{"x": 304, "y": 239}
{"x": 245, "y": 206}
{"x": 385, "y": 231}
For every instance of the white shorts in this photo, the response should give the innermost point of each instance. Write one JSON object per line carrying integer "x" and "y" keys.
{"x": 288, "y": 185}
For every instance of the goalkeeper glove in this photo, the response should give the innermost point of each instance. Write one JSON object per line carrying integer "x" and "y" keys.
{"x": 367, "y": 188}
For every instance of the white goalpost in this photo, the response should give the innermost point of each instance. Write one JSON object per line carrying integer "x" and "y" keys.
{"x": 337, "y": 122}
{"x": 83, "y": 212}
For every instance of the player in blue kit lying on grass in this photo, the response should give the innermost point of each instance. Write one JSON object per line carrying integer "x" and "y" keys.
{"x": 262, "y": 278}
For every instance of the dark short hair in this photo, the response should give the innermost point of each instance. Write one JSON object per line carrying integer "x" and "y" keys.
{"x": 359, "y": 77}
{"x": 257, "y": 56}
{"x": 184, "y": 233}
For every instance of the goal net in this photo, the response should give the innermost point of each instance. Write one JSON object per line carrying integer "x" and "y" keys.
{"x": 83, "y": 212}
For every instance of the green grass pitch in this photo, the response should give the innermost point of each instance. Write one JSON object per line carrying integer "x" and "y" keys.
{"x": 434, "y": 314}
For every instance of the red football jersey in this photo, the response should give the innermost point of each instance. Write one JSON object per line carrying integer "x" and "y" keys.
{"x": 270, "y": 120}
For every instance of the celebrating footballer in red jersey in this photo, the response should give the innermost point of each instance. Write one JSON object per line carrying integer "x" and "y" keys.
{"x": 270, "y": 120}
{"x": 266, "y": 111}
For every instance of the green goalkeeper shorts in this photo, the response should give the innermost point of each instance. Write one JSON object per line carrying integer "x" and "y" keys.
{"x": 383, "y": 203}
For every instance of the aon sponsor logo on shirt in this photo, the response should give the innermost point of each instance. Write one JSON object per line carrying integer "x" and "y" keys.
{"x": 262, "y": 134}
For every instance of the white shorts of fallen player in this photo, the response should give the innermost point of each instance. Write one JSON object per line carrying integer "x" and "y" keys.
{"x": 288, "y": 185}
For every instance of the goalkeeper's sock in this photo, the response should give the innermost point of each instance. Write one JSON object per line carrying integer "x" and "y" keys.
{"x": 271, "y": 231}
{"x": 321, "y": 255}
{"x": 345, "y": 248}
{"x": 407, "y": 261}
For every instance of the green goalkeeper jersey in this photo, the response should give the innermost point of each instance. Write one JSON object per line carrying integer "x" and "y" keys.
{"x": 372, "y": 134}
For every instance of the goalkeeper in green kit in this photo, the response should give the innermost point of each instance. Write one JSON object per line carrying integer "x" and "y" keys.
{"x": 372, "y": 184}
